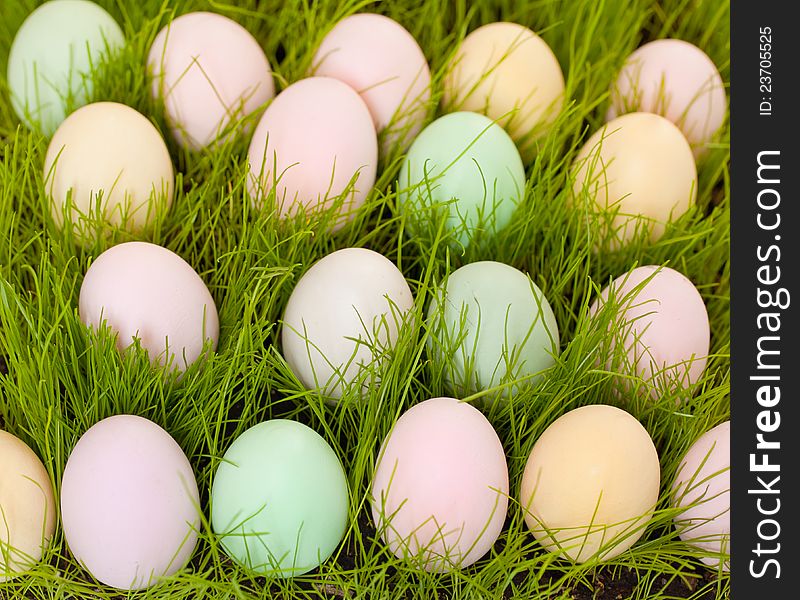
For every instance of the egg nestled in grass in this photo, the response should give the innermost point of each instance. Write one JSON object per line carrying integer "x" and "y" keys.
{"x": 107, "y": 166}
{"x": 145, "y": 292}
{"x": 633, "y": 177}
{"x": 382, "y": 61}
{"x": 440, "y": 491}
{"x": 343, "y": 319}
{"x": 464, "y": 170}
{"x": 129, "y": 503}
{"x": 591, "y": 483}
{"x": 27, "y": 507}
{"x": 210, "y": 72}
{"x": 314, "y": 149}
{"x": 53, "y": 58}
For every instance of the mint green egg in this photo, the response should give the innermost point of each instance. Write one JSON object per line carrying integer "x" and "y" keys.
{"x": 467, "y": 165}
{"x": 51, "y": 59}
{"x": 491, "y": 325}
{"x": 279, "y": 499}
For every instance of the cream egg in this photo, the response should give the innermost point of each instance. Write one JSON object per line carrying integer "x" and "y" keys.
{"x": 591, "y": 483}
{"x": 440, "y": 492}
{"x": 659, "y": 330}
{"x": 147, "y": 292}
{"x": 314, "y": 146}
{"x": 381, "y": 60}
{"x": 107, "y": 165}
{"x": 210, "y": 72}
{"x": 27, "y": 507}
{"x": 677, "y": 80}
{"x": 635, "y": 173}
{"x": 343, "y": 318}
{"x": 507, "y": 72}
{"x": 702, "y": 487}
{"x": 130, "y": 507}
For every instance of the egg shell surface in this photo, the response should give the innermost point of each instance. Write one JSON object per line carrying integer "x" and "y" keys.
{"x": 591, "y": 483}
{"x": 142, "y": 290}
{"x": 27, "y": 507}
{"x": 661, "y": 325}
{"x": 440, "y": 492}
{"x": 351, "y": 294}
{"x": 703, "y": 486}
{"x": 313, "y": 139}
{"x": 110, "y": 148}
{"x": 676, "y": 80}
{"x": 381, "y": 60}
{"x": 51, "y": 60}
{"x": 279, "y": 500}
{"x": 636, "y": 171}
{"x": 467, "y": 166}
{"x": 491, "y": 325}
{"x": 129, "y": 503}
{"x": 210, "y": 72}
{"x": 507, "y": 72}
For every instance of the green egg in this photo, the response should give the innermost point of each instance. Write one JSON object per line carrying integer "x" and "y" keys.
{"x": 279, "y": 499}
{"x": 51, "y": 59}
{"x": 467, "y": 165}
{"x": 491, "y": 325}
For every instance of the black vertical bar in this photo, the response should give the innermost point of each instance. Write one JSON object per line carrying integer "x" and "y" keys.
{"x": 765, "y": 261}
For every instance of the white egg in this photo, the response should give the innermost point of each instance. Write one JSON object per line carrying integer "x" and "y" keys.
{"x": 345, "y": 313}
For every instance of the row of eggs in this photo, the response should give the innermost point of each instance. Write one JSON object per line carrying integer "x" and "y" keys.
{"x": 369, "y": 77}
{"x": 280, "y": 501}
{"x": 488, "y": 323}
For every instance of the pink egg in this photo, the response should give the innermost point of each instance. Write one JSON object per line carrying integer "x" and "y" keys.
{"x": 210, "y": 72}
{"x": 382, "y": 61}
{"x": 129, "y": 503}
{"x": 440, "y": 492}
{"x": 148, "y": 292}
{"x": 703, "y": 486}
{"x": 677, "y": 80}
{"x": 315, "y": 142}
{"x": 661, "y": 322}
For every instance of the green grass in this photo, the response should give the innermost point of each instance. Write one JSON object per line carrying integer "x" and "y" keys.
{"x": 61, "y": 379}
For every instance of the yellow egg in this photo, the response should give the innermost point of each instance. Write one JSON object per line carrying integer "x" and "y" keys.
{"x": 510, "y": 74}
{"x": 27, "y": 507}
{"x": 636, "y": 172}
{"x": 591, "y": 483}
{"x": 107, "y": 162}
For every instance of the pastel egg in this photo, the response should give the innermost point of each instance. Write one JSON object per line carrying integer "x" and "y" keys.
{"x": 107, "y": 165}
{"x": 702, "y": 487}
{"x": 130, "y": 507}
{"x": 210, "y": 72}
{"x": 343, "y": 318}
{"x": 279, "y": 501}
{"x": 677, "y": 80}
{"x": 52, "y": 58}
{"x": 491, "y": 325}
{"x": 146, "y": 292}
{"x": 464, "y": 166}
{"x": 635, "y": 173}
{"x": 507, "y": 72}
{"x": 27, "y": 507}
{"x": 591, "y": 483}
{"x": 440, "y": 492}
{"x": 659, "y": 329}
{"x": 314, "y": 148}
{"x": 381, "y": 60}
